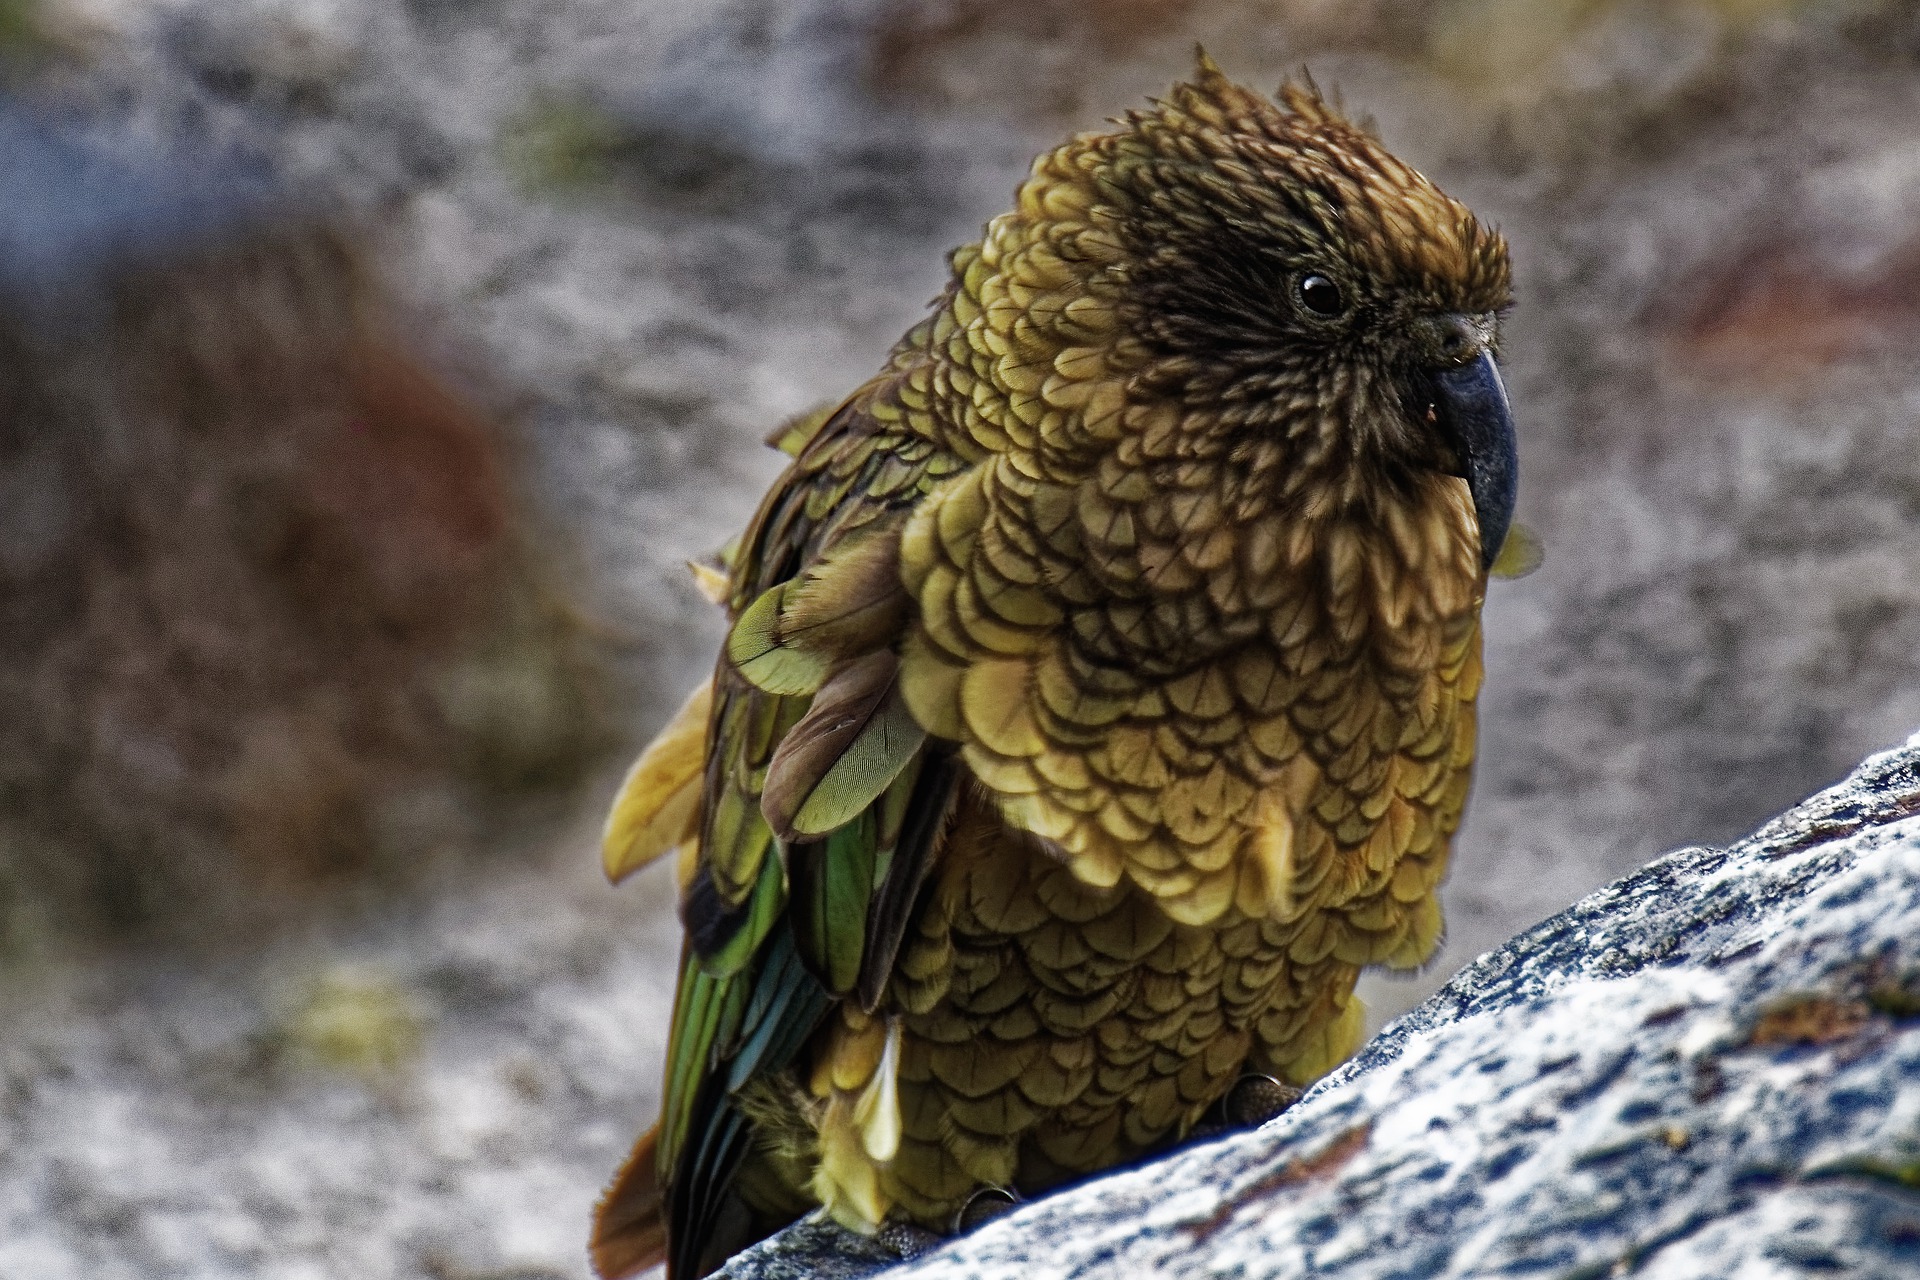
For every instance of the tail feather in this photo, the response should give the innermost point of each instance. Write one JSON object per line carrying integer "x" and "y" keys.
{"x": 630, "y": 1222}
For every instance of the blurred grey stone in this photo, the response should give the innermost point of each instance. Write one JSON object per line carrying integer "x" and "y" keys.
{"x": 1709, "y": 1068}
{"x": 87, "y": 204}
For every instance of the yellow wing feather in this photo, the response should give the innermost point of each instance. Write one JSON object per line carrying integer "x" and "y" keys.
{"x": 658, "y": 807}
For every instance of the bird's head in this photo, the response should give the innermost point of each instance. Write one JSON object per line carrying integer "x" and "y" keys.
{"x": 1277, "y": 294}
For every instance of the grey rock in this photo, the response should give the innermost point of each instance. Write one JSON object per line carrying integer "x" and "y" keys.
{"x": 1710, "y": 1067}
{"x": 816, "y": 1248}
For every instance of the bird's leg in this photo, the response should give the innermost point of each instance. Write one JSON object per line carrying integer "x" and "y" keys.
{"x": 1251, "y": 1102}
{"x": 983, "y": 1206}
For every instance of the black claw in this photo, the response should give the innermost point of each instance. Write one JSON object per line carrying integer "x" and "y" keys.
{"x": 983, "y": 1206}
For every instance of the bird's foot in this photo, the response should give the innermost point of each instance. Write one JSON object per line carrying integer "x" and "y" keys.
{"x": 1251, "y": 1102}
{"x": 983, "y": 1206}
{"x": 907, "y": 1240}
{"x": 1256, "y": 1099}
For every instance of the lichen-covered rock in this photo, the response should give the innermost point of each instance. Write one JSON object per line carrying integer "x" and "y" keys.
{"x": 1709, "y": 1068}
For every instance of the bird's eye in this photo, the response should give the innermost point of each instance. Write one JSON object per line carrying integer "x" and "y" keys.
{"x": 1320, "y": 296}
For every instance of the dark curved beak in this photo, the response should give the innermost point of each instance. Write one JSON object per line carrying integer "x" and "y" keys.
{"x": 1471, "y": 403}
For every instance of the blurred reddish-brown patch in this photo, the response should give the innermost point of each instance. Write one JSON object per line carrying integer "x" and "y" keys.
{"x": 1770, "y": 316}
{"x": 414, "y": 468}
{"x": 274, "y": 596}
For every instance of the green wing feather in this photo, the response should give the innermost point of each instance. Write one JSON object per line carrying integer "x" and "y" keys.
{"x": 854, "y": 741}
{"x": 815, "y": 831}
{"x": 755, "y": 649}
{"x": 839, "y": 879}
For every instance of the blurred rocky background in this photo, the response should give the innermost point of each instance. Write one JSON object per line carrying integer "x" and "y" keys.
{"x": 368, "y": 370}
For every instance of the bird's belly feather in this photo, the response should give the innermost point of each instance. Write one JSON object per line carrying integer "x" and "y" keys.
{"x": 1050, "y": 1028}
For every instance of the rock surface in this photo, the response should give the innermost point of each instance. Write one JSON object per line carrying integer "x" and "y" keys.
{"x": 1709, "y": 1068}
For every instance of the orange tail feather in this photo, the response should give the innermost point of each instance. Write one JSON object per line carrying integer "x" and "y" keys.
{"x": 630, "y": 1222}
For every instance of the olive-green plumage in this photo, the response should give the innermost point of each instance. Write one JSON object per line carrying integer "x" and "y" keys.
{"x": 1099, "y": 698}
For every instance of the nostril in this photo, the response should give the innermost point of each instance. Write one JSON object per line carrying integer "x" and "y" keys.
{"x": 1455, "y": 339}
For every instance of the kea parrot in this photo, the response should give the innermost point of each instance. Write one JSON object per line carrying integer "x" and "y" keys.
{"x": 1099, "y": 695}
